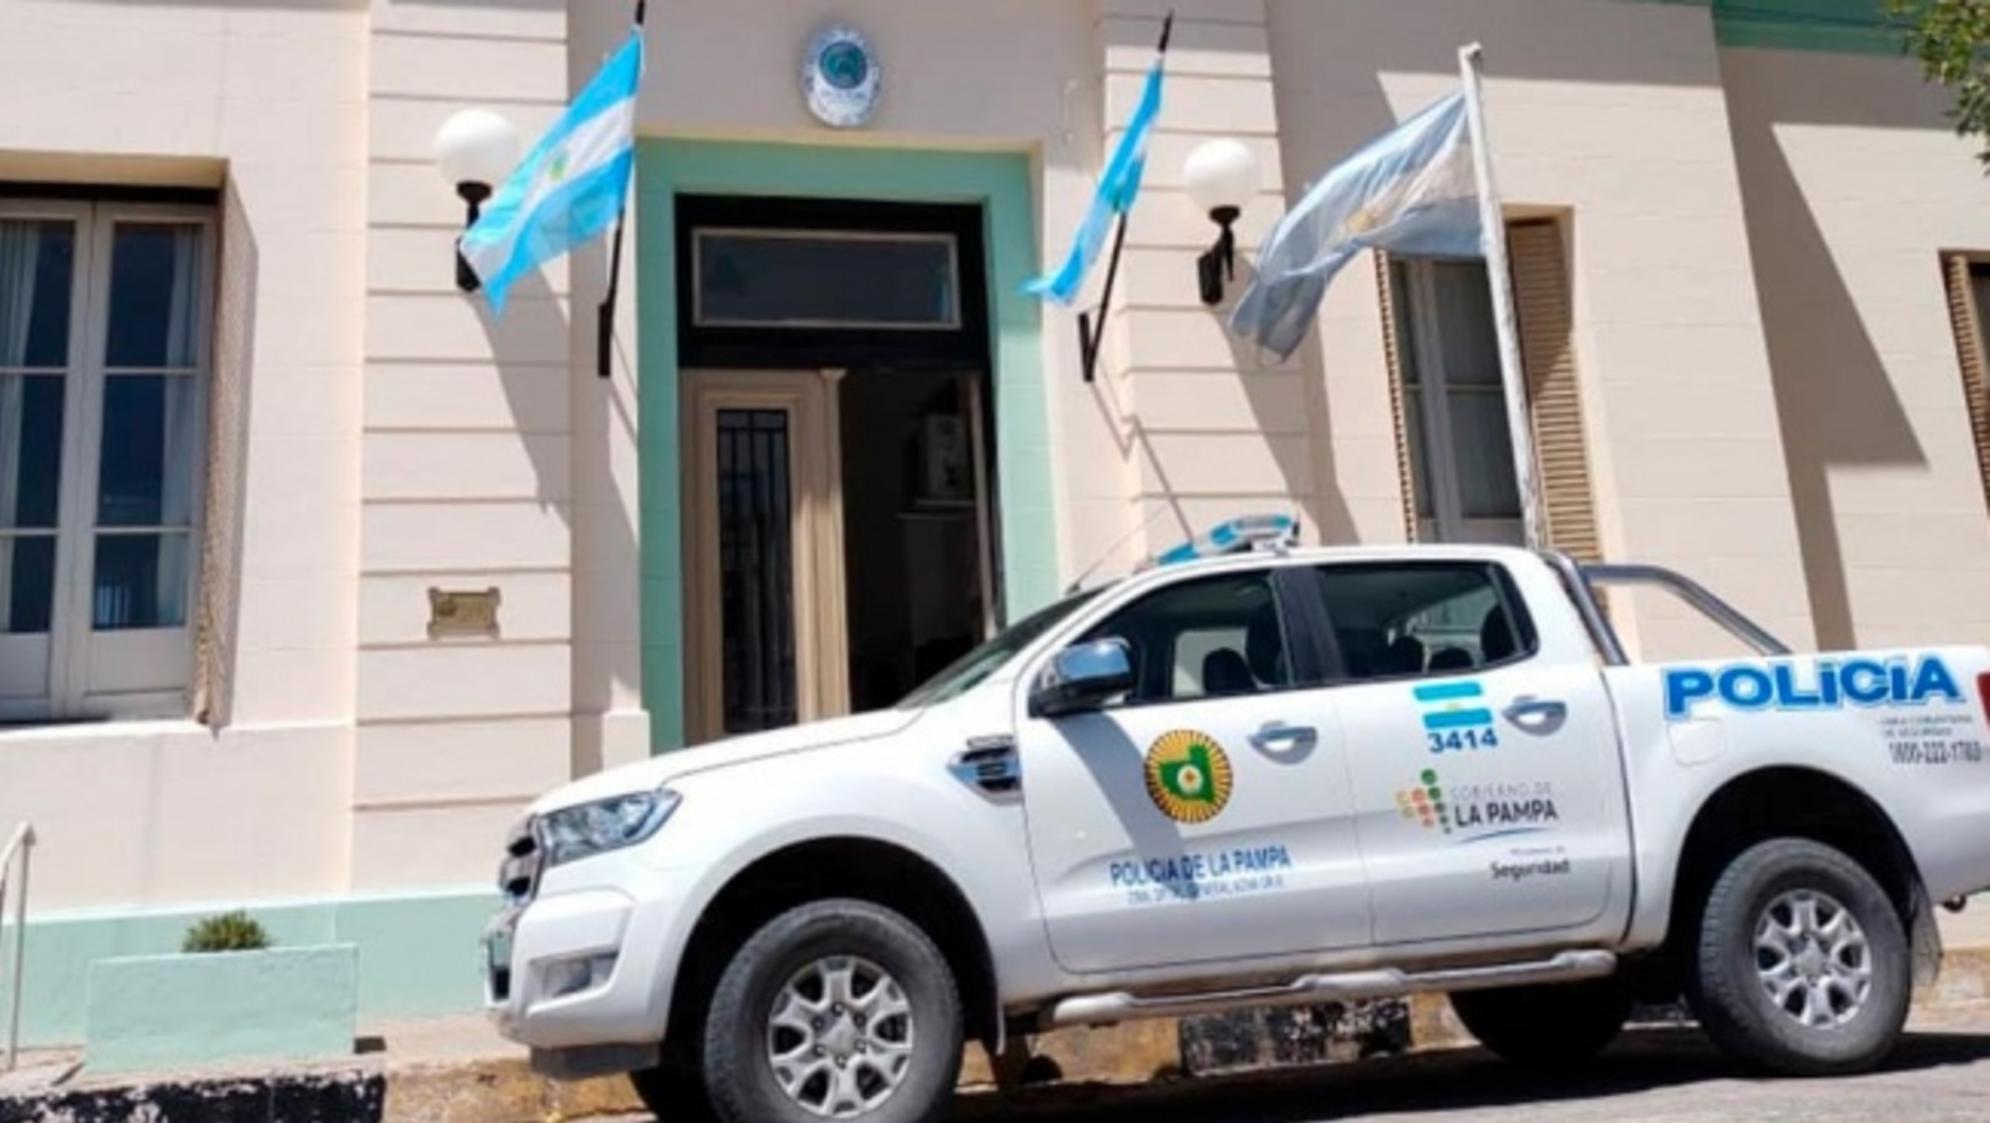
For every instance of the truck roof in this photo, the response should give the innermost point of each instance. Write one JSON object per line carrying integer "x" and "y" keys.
{"x": 1246, "y": 557}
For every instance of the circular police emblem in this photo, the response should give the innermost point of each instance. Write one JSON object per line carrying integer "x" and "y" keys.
{"x": 1188, "y": 776}
{"x": 840, "y": 77}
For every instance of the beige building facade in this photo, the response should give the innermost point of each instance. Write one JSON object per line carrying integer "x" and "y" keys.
{"x": 259, "y": 435}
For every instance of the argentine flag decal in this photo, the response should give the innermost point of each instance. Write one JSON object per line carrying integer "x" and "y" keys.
{"x": 569, "y": 188}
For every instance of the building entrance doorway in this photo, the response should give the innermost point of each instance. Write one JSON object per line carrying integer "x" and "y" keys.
{"x": 839, "y": 513}
{"x": 839, "y": 544}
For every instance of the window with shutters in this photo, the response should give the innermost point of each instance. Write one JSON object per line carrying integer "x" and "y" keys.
{"x": 104, "y": 351}
{"x": 1454, "y": 408}
{"x": 1454, "y": 451}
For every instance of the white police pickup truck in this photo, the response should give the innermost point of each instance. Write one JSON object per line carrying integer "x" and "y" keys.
{"x": 1272, "y": 777}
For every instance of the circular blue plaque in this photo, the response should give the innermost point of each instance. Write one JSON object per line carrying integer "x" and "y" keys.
{"x": 841, "y": 78}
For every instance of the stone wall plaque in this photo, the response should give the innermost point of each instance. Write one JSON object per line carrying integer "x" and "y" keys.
{"x": 463, "y": 612}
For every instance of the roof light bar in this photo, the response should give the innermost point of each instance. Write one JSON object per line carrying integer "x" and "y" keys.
{"x": 1236, "y": 536}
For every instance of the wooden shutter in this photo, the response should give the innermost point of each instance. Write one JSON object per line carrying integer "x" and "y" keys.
{"x": 1392, "y": 354}
{"x": 1967, "y": 319}
{"x": 219, "y": 591}
{"x": 1542, "y": 304}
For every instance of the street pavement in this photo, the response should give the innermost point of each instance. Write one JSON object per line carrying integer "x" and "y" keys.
{"x": 1941, "y": 1074}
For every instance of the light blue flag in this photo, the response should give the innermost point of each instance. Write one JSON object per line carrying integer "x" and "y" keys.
{"x": 1412, "y": 190}
{"x": 1117, "y": 190}
{"x": 569, "y": 188}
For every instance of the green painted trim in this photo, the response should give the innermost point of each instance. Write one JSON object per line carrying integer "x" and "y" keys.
{"x": 417, "y": 951}
{"x": 1839, "y": 26}
{"x": 1785, "y": 36}
{"x": 1003, "y": 183}
{"x": 163, "y": 1012}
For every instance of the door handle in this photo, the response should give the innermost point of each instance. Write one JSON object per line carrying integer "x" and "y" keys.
{"x": 1278, "y": 737}
{"x": 1542, "y": 717}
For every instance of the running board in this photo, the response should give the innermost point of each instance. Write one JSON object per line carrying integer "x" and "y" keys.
{"x": 1119, "y": 1006}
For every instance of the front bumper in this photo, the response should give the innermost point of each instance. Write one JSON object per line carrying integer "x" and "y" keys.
{"x": 588, "y": 966}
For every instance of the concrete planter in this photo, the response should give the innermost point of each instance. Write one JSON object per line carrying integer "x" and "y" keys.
{"x": 174, "y": 1011}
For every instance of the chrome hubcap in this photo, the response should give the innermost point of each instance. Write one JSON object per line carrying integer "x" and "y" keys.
{"x": 839, "y": 1036}
{"x": 1813, "y": 959}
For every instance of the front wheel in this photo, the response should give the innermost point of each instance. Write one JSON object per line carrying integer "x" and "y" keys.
{"x": 1802, "y": 966}
{"x": 837, "y": 1009}
{"x": 1546, "y": 1025}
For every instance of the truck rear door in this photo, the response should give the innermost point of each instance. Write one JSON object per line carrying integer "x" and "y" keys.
{"x": 1483, "y": 749}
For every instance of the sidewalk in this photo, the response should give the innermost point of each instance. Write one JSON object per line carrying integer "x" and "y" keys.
{"x": 458, "y": 1070}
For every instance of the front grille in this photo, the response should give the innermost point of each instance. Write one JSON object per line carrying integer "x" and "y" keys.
{"x": 518, "y": 876}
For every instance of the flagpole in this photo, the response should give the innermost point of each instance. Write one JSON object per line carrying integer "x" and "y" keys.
{"x": 1512, "y": 375}
{"x": 604, "y": 320}
{"x": 1089, "y": 338}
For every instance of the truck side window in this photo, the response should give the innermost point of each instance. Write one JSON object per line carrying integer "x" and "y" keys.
{"x": 1204, "y": 638}
{"x": 1405, "y": 619}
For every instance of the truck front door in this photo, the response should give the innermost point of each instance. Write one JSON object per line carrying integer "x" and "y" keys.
{"x": 1483, "y": 750}
{"x": 1206, "y": 815}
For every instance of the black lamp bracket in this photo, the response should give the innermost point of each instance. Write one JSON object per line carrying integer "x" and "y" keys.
{"x": 1219, "y": 262}
{"x": 473, "y": 195}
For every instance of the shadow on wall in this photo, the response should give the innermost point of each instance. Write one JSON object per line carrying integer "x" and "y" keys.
{"x": 1311, "y": 472}
{"x": 575, "y": 477}
{"x": 300, "y": 5}
{"x": 1331, "y": 98}
{"x": 1836, "y": 404}
{"x": 1304, "y": 466}
{"x": 1345, "y": 46}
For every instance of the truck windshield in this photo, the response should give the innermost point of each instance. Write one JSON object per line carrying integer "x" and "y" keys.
{"x": 968, "y": 671}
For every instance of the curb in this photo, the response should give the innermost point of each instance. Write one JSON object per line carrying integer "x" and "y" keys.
{"x": 321, "y": 1097}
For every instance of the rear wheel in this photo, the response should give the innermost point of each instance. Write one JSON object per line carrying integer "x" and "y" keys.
{"x": 834, "y": 1010}
{"x": 1802, "y": 965}
{"x": 1546, "y": 1025}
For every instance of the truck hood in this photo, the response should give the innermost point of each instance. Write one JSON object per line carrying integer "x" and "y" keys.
{"x": 654, "y": 773}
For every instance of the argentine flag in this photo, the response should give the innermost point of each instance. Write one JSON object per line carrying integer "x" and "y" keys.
{"x": 1117, "y": 190}
{"x": 1412, "y": 190}
{"x": 569, "y": 188}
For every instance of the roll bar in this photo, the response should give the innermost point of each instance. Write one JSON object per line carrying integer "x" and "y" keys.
{"x": 1581, "y": 582}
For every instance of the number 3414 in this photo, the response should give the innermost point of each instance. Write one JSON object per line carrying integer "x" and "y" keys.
{"x": 1458, "y": 740}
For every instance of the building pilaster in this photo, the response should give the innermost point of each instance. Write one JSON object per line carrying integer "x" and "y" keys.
{"x": 1214, "y": 429}
{"x": 466, "y": 465}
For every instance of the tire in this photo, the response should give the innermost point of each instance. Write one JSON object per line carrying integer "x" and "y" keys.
{"x": 674, "y": 1092}
{"x": 1546, "y": 1025}
{"x": 869, "y": 1020}
{"x": 1827, "y": 1023}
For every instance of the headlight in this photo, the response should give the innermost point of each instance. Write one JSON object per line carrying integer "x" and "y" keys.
{"x": 606, "y": 824}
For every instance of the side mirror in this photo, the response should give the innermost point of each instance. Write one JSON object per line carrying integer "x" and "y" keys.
{"x": 1082, "y": 678}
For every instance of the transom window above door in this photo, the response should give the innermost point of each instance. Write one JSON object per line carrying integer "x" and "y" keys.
{"x": 769, "y": 283}
{"x": 904, "y": 281}
{"x": 104, "y": 352}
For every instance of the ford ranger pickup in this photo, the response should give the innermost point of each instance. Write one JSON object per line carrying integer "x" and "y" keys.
{"x": 1272, "y": 776}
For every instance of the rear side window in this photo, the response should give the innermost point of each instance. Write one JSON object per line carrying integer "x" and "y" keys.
{"x": 1410, "y": 619}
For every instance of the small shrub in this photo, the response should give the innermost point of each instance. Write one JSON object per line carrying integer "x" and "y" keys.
{"x": 231, "y": 931}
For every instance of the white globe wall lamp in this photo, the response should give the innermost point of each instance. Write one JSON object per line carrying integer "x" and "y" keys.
{"x": 475, "y": 149}
{"x": 1221, "y": 176}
